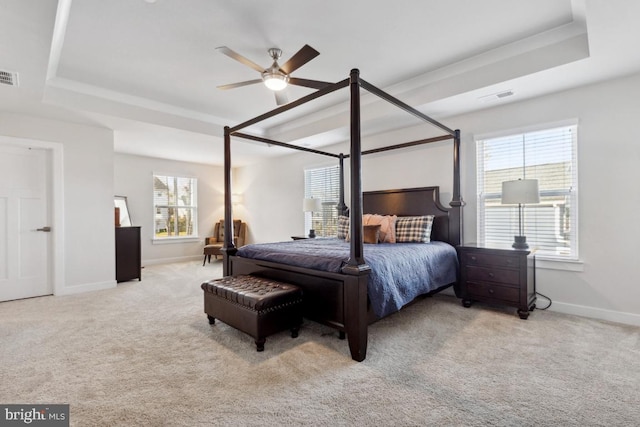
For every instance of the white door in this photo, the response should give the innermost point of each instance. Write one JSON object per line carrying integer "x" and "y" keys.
{"x": 24, "y": 227}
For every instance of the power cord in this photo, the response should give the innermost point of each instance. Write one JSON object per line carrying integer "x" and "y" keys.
{"x": 546, "y": 297}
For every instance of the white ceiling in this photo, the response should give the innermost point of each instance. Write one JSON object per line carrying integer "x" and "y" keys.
{"x": 149, "y": 70}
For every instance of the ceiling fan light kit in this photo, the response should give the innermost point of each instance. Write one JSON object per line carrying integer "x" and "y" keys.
{"x": 273, "y": 78}
{"x": 276, "y": 77}
{"x": 275, "y": 81}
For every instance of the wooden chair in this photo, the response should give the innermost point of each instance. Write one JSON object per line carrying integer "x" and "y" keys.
{"x": 214, "y": 243}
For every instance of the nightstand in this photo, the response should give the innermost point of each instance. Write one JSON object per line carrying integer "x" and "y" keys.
{"x": 498, "y": 275}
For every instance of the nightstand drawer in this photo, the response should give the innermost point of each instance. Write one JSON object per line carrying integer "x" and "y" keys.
{"x": 489, "y": 274}
{"x": 477, "y": 258}
{"x": 484, "y": 291}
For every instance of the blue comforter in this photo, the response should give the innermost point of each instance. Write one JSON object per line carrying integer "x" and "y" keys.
{"x": 399, "y": 271}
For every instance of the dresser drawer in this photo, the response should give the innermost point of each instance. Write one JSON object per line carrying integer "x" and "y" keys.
{"x": 479, "y": 258}
{"x": 491, "y": 274}
{"x": 487, "y": 291}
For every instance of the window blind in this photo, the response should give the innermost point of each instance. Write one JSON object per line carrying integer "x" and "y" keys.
{"x": 324, "y": 184}
{"x": 548, "y": 155}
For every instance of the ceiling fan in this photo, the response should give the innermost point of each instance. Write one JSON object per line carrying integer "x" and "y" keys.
{"x": 277, "y": 77}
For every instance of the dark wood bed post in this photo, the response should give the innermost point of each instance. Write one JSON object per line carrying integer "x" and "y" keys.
{"x": 356, "y": 258}
{"x": 228, "y": 247}
{"x": 456, "y": 170}
{"x": 355, "y": 291}
{"x": 342, "y": 208}
{"x": 456, "y": 200}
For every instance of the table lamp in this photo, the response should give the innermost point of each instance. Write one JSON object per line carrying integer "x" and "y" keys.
{"x": 312, "y": 205}
{"x": 520, "y": 192}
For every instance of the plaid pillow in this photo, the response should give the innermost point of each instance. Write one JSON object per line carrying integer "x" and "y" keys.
{"x": 343, "y": 227}
{"x": 414, "y": 229}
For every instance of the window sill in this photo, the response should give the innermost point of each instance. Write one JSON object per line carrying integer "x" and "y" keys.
{"x": 170, "y": 240}
{"x": 558, "y": 264}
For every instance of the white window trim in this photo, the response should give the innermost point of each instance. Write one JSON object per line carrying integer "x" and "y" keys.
{"x": 542, "y": 261}
{"x": 176, "y": 239}
{"x": 527, "y": 129}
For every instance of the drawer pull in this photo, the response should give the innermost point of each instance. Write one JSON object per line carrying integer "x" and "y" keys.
{"x": 491, "y": 275}
{"x": 491, "y": 291}
{"x": 473, "y": 258}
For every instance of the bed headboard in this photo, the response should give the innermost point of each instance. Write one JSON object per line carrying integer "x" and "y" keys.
{"x": 417, "y": 201}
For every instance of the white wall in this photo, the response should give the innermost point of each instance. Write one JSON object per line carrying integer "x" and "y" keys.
{"x": 88, "y": 252}
{"x": 272, "y": 196}
{"x": 133, "y": 177}
{"x": 608, "y": 156}
{"x": 92, "y": 175}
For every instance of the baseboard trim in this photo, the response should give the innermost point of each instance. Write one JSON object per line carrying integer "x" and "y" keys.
{"x": 159, "y": 261}
{"x": 596, "y": 313}
{"x": 582, "y": 310}
{"x": 87, "y": 288}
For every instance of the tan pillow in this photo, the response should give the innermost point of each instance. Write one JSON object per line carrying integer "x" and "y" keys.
{"x": 371, "y": 233}
{"x": 387, "y": 226}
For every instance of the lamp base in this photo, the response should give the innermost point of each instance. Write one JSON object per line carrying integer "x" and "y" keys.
{"x": 312, "y": 233}
{"x": 520, "y": 242}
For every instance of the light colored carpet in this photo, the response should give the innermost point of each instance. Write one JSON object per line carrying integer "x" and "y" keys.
{"x": 143, "y": 354}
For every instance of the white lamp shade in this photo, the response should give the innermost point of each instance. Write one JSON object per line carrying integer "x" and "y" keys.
{"x": 311, "y": 205}
{"x": 520, "y": 191}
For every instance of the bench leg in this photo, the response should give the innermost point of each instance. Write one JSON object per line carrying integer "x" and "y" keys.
{"x": 212, "y": 320}
{"x": 260, "y": 344}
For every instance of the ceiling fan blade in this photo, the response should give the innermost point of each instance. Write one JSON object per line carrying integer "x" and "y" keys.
{"x": 315, "y": 84}
{"x": 281, "y": 97}
{"x": 235, "y": 55}
{"x": 239, "y": 84}
{"x": 301, "y": 57}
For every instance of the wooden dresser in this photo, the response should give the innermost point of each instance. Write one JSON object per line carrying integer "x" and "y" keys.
{"x": 128, "y": 254}
{"x": 498, "y": 275}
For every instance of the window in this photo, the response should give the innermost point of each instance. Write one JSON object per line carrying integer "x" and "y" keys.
{"x": 548, "y": 156}
{"x": 175, "y": 206}
{"x": 324, "y": 184}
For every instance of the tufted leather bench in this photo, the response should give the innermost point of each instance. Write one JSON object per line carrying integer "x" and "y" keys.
{"x": 256, "y": 306}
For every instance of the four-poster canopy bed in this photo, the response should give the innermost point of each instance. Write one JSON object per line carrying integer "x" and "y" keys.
{"x": 341, "y": 297}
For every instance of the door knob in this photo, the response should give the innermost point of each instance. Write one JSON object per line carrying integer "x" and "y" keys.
{"x": 46, "y": 229}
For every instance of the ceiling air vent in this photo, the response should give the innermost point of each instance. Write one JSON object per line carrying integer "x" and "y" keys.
{"x": 8, "y": 78}
{"x": 496, "y": 96}
{"x": 504, "y": 94}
